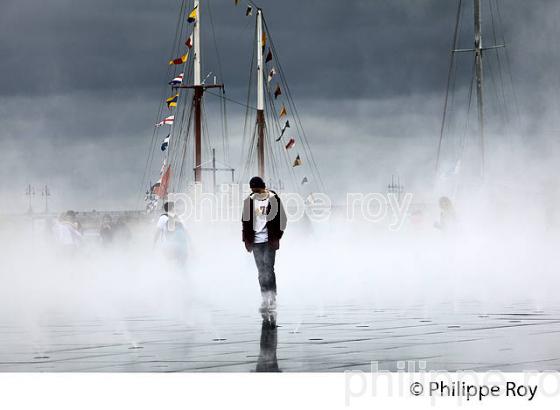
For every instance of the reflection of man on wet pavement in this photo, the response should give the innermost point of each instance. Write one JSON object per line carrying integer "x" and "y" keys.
{"x": 264, "y": 222}
{"x": 268, "y": 361}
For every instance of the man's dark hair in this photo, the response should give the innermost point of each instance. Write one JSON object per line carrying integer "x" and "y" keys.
{"x": 257, "y": 182}
{"x": 168, "y": 206}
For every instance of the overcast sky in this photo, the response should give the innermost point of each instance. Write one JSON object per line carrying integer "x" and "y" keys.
{"x": 81, "y": 83}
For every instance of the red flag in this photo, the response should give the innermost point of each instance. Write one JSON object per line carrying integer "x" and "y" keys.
{"x": 161, "y": 190}
{"x": 290, "y": 143}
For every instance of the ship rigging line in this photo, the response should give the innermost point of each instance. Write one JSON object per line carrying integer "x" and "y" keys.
{"x": 153, "y": 142}
{"x": 246, "y": 123}
{"x": 508, "y": 63}
{"x": 223, "y": 111}
{"x": 305, "y": 143}
{"x": 223, "y": 97}
{"x": 503, "y": 95}
{"x": 467, "y": 120}
{"x": 449, "y": 75}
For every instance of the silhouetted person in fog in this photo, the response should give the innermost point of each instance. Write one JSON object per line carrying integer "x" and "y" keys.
{"x": 447, "y": 214}
{"x": 106, "y": 230}
{"x": 268, "y": 362}
{"x": 67, "y": 232}
{"x": 263, "y": 222}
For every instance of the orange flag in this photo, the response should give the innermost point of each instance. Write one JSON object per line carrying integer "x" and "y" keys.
{"x": 179, "y": 60}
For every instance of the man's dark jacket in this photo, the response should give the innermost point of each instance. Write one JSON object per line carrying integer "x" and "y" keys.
{"x": 276, "y": 224}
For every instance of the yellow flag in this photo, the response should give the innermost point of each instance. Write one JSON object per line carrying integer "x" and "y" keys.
{"x": 192, "y": 15}
{"x": 283, "y": 111}
{"x": 172, "y": 101}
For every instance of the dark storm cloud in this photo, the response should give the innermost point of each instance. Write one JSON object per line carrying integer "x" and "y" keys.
{"x": 80, "y": 77}
{"x": 329, "y": 48}
{"x": 334, "y": 49}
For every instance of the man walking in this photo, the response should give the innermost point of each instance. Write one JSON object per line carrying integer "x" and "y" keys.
{"x": 264, "y": 222}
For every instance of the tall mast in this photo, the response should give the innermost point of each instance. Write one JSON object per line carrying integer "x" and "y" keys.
{"x": 260, "y": 95}
{"x": 197, "y": 99}
{"x": 199, "y": 89}
{"x": 196, "y": 45}
{"x": 479, "y": 79}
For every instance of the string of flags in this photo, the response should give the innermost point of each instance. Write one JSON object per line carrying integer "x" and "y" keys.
{"x": 277, "y": 91}
{"x": 283, "y": 110}
{"x": 160, "y": 188}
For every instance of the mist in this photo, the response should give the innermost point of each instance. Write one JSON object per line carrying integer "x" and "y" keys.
{"x": 370, "y": 95}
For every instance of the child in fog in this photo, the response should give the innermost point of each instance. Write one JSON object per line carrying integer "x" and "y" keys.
{"x": 171, "y": 236}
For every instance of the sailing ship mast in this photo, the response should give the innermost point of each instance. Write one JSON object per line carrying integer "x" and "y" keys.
{"x": 478, "y": 73}
{"x": 276, "y": 129}
{"x": 478, "y": 51}
{"x": 199, "y": 88}
{"x": 260, "y": 96}
{"x": 280, "y": 155}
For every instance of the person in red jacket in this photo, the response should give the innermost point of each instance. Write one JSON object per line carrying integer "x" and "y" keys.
{"x": 263, "y": 223}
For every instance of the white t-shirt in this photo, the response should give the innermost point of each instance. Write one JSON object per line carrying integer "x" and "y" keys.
{"x": 162, "y": 227}
{"x": 260, "y": 206}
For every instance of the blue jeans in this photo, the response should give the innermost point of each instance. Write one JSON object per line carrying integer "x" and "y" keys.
{"x": 264, "y": 258}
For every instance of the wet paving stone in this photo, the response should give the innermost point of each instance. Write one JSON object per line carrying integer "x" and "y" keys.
{"x": 326, "y": 339}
